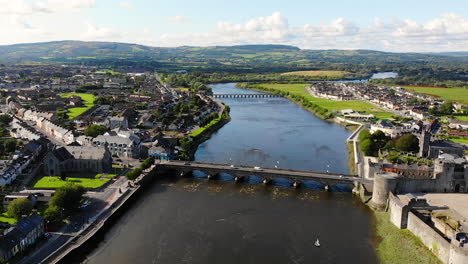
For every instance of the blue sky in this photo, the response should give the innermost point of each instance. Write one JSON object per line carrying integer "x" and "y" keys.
{"x": 411, "y": 25}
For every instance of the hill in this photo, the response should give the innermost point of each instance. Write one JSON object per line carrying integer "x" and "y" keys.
{"x": 247, "y": 58}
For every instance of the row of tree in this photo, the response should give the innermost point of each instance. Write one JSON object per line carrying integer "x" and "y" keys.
{"x": 371, "y": 143}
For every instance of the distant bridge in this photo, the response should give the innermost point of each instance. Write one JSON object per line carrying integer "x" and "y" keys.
{"x": 262, "y": 95}
{"x": 266, "y": 174}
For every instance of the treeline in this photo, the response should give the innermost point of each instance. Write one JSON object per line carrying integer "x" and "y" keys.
{"x": 372, "y": 143}
{"x": 302, "y": 100}
{"x": 194, "y": 81}
{"x": 133, "y": 174}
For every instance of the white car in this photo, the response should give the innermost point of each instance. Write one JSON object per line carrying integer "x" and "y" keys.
{"x": 257, "y": 168}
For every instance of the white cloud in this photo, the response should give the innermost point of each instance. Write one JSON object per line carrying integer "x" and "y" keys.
{"x": 178, "y": 19}
{"x": 94, "y": 32}
{"x": 445, "y": 33}
{"x": 125, "y": 5}
{"x": 46, "y": 20}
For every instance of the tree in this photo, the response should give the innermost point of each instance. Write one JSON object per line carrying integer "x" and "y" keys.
{"x": 95, "y": 130}
{"x": 19, "y": 207}
{"x": 446, "y": 108}
{"x": 133, "y": 174}
{"x": 367, "y": 146}
{"x": 5, "y": 119}
{"x": 9, "y": 145}
{"x": 68, "y": 197}
{"x": 53, "y": 214}
{"x": 364, "y": 134}
{"x": 408, "y": 142}
{"x": 147, "y": 163}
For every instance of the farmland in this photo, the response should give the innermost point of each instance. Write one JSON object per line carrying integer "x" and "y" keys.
{"x": 452, "y": 94}
{"x": 326, "y": 74}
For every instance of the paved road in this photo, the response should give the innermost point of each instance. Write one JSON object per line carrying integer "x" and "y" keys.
{"x": 99, "y": 200}
{"x": 250, "y": 170}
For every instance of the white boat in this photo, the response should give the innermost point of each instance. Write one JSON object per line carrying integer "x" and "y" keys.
{"x": 317, "y": 243}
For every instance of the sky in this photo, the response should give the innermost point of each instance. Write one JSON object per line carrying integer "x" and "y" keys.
{"x": 396, "y": 25}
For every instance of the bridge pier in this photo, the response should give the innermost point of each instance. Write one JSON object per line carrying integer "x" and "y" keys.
{"x": 266, "y": 181}
{"x": 239, "y": 178}
{"x": 186, "y": 173}
{"x": 327, "y": 188}
{"x": 212, "y": 176}
{"x": 296, "y": 184}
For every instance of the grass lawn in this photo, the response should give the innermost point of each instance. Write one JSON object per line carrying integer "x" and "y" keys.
{"x": 399, "y": 246}
{"x": 300, "y": 89}
{"x": 4, "y": 218}
{"x": 460, "y": 140}
{"x": 452, "y": 94}
{"x": 56, "y": 182}
{"x": 326, "y": 74}
{"x": 88, "y": 100}
{"x": 462, "y": 118}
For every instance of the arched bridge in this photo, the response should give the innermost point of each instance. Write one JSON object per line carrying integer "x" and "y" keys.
{"x": 246, "y": 95}
{"x": 267, "y": 174}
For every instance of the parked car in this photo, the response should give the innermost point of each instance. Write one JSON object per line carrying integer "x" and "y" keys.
{"x": 257, "y": 168}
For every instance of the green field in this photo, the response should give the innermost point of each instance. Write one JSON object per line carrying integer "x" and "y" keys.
{"x": 462, "y": 118}
{"x": 88, "y": 100}
{"x": 56, "y": 182}
{"x": 300, "y": 89}
{"x": 328, "y": 74}
{"x": 399, "y": 246}
{"x": 453, "y": 94}
{"x": 5, "y": 219}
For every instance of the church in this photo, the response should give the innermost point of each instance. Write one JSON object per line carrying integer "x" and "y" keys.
{"x": 77, "y": 159}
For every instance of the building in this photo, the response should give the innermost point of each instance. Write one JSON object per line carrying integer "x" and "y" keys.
{"x": 118, "y": 122}
{"x": 438, "y": 220}
{"x": 18, "y": 238}
{"x": 77, "y": 159}
{"x": 121, "y": 143}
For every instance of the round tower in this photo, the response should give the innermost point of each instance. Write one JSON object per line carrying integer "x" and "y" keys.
{"x": 384, "y": 183}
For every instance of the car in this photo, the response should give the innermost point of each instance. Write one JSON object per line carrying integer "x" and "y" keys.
{"x": 341, "y": 176}
{"x": 257, "y": 168}
{"x": 85, "y": 204}
{"x": 186, "y": 163}
{"x": 233, "y": 167}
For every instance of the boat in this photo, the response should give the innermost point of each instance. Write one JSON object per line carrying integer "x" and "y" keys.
{"x": 317, "y": 243}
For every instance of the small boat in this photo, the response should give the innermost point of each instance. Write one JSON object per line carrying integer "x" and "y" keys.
{"x": 317, "y": 243}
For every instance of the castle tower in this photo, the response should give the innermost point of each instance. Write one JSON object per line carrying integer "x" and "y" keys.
{"x": 424, "y": 143}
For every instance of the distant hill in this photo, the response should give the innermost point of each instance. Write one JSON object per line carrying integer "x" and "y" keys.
{"x": 238, "y": 58}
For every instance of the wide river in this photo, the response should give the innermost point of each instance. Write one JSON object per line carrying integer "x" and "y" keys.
{"x": 196, "y": 221}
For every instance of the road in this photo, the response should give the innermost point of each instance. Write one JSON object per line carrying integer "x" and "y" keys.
{"x": 99, "y": 201}
{"x": 263, "y": 171}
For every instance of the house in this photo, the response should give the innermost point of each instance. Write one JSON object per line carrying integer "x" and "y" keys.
{"x": 20, "y": 237}
{"x": 118, "y": 121}
{"x": 77, "y": 159}
{"x": 121, "y": 142}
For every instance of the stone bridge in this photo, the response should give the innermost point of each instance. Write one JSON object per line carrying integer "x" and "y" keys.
{"x": 246, "y": 95}
{"x": 241, "y": 173}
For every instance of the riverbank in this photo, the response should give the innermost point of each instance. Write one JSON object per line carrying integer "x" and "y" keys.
{"x": 395, "y": 245}
{"x": 324, "y": 107}
{"x": 191, "y": 142}
{"x": 392, "y": 244}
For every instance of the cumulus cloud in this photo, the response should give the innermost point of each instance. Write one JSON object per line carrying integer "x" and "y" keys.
{"x": 178, "y": 19}
{"x": 94, "y": 32}
{"x": 445, "y": 33}
{"x": 33, "y": 21}
{"x": 125, "y": 5}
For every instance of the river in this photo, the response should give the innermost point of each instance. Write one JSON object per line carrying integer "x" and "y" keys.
{"x": 196, "y": 221}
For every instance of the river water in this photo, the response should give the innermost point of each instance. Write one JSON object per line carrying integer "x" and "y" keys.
{"x": 196, "y": 221}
